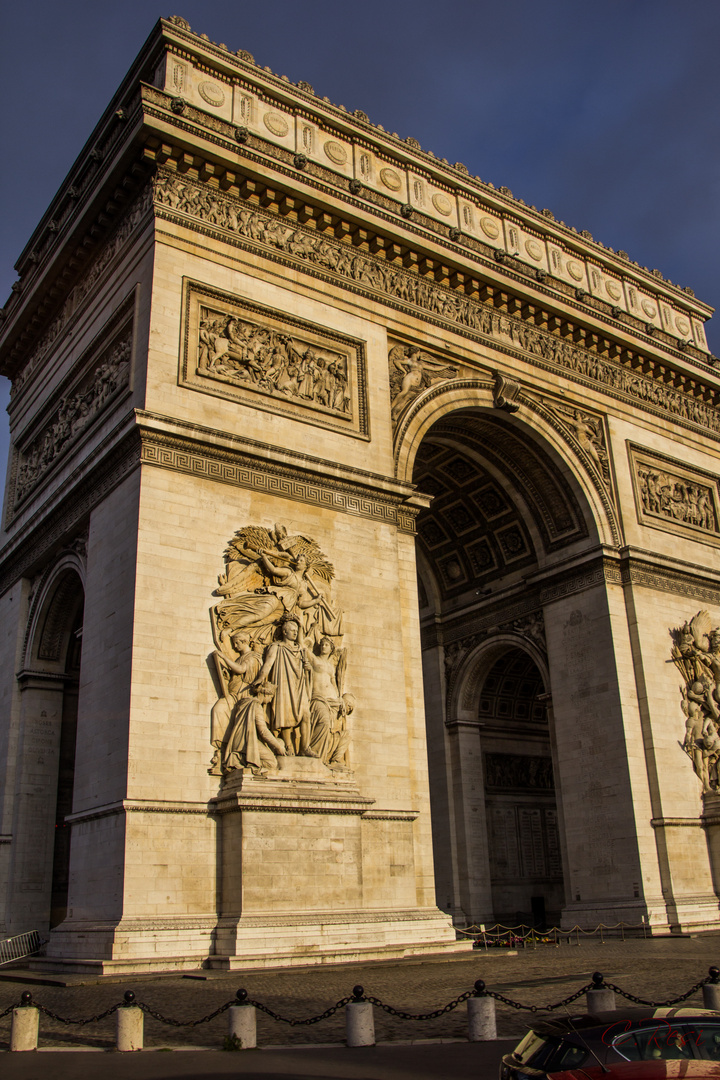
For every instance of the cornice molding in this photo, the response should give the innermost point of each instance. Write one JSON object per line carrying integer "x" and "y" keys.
{"x": 226, "y": 466}
{"x": 321, "y": 255}
{"x": 334, "y": 121}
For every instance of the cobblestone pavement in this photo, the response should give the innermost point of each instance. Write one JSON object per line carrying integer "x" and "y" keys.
{"x": 657, "y": 969}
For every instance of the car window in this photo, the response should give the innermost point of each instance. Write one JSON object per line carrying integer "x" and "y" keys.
{"x": 567, "y": 1056}
{"x": 707, "y": 1040}
{"x": 665, "y": 1042}
{"x": 535, "y": 1049}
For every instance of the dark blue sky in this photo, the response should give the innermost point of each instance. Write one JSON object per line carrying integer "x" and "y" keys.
{"x": 605, "y": 113}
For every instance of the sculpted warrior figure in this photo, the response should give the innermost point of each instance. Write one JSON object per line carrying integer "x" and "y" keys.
{"x": 696, "y": 654}
{"x": 237, "y": 666}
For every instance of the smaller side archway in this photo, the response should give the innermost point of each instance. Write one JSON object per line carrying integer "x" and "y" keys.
{"x": 504, "y": 830}
{"x": 49, "y": 687}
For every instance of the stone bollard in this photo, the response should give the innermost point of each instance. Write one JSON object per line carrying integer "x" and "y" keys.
{"x": 359, "y": 1020}
{"x": 481, "y": 1015}
{"x": 243, "y": 1022}
{"x": 711, "y": 990}
{"x": 25, "y": 1024}
{"x": 601, "y": 998}
{"x": 129, "y": 1025}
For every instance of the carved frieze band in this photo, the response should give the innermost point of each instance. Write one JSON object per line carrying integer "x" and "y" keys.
{"x": 673, "y": 497}
{"x": 245, "y": 352}
{"x": 471, "y": 630}
{"x": 103, "y": 373}
{"x": 228, "y": 217}
{"x": 520, "y": 771}
{"x": 228, "y": 468}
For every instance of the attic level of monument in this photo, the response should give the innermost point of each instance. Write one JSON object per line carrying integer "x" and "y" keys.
{"x": 370, "y": 172}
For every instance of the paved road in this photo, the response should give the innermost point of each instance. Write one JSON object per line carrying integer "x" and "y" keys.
{"x": 655, "y": 969}
{"x": 477, "y": 1061}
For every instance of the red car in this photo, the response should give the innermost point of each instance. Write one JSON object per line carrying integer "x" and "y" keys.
{"x": 628, "y": 1044}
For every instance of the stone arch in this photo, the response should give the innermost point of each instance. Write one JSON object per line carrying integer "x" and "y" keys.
{"x": 536, "y": 422}
{"x": 477, "y": 664}
{"x": 47, "y": 634}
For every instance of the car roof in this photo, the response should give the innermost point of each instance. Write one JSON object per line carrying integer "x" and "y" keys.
{"x": 561, "y": 1025}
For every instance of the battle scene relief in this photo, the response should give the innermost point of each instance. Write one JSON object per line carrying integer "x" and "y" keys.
{"x": 672, "y": 497}
{"x": 270, "y": 360}
{"x": 279, "y": 659}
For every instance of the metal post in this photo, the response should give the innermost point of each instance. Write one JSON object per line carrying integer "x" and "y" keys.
{"x": 129, "y": 1025}
{"x": 359, "y": 1020}
{"x": 482, "y": 1026}
{"x": 25, "y": 1025}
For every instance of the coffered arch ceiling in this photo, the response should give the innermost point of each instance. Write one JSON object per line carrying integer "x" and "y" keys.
{"x": 502, "y": 502}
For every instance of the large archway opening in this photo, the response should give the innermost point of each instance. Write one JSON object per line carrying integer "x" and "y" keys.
{"x": 506, "y": 509}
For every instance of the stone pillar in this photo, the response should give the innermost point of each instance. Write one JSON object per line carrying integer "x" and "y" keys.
{"x": 35, "y": 801}
{"x": 129, "y": 1025}
{"x": 471, "y": 827}
{"x": 25, "y": 1025}
{"x": 359, "y": 1021}
{"x": 482, "y": 1026}
{"x": 242, "y": 1022}
{"x": 711, "y": 823}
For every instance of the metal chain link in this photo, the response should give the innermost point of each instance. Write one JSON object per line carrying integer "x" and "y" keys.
{"x": 657, "y": 1004}
{"x": 181, "y": 1023}
{"x": 69, "y": 1020}
{"x": 294, "y": 1023}
{"x": 540, "y": 1008}
{"x": 7, "y": 1011}
{"x": 420, "y": 1016}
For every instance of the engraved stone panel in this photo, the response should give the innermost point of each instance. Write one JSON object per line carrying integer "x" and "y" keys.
{"x": 239, "y": 350}
{"x": 670, "y": 496}
{"x": 97, "y": 379}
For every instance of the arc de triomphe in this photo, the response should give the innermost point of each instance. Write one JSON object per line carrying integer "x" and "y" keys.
{"x": 360, "y": 549}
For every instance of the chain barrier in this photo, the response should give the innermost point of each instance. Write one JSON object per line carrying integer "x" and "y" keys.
{"x": 358, "y": 995}
{"x": 538, "y": 1008}
{"x": 420, "y": 1016}
{"x": 307, "y": 1021}
{"x": 658, "y": 1004}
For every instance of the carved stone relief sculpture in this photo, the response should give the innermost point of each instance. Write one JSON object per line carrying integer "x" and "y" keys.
{"x": 74, "y": 413}
{"x": 588, "y": 431}
{"x": 240, "y": 351}
{"x": 672, "y": 497}
{"x": 411, "y": 372}
{"x": 243, "y": 351}
{"x": 278, "y": 656}
{"x": 696, "y": 654}
{"x": 174, "y": 196}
